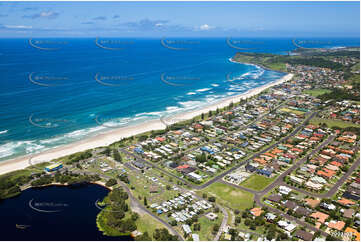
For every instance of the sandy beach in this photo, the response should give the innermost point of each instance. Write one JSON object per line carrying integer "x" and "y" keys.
{"x": 116, "y": 134}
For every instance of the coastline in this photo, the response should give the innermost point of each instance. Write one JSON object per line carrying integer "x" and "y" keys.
{"x": 112, "y": 136}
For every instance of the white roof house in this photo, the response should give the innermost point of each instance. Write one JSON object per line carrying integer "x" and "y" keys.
{"x": 186, "y": 228}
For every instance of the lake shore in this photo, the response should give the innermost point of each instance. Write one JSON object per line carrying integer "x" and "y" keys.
{"x": 112, "y": 136}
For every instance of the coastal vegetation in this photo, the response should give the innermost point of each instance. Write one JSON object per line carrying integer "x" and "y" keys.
{"x": 305, "y": 57}
{"x": 117, "y": 219}
{"x": 10, "y": 183}
{"x": 338, "y": 95}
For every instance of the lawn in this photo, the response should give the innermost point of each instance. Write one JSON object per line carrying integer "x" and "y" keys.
{"x": 229, "y": 196}
{"x": 207, "y": 226}
{"x": 257, "y": 182}
{"x": 288, "y": 110}
{"x": 332, "y": 123}
{"x": 317, "y": 92}
{"x": 145, "y": 223}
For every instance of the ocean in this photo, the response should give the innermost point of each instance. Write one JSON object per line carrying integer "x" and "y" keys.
{"x": 57, "y": 91}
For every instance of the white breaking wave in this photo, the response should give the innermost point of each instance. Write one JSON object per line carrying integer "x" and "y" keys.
{"x": 203, "y": 89}
{"x": 4, "y": 131}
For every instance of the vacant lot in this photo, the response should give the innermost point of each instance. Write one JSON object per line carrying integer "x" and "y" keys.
{"x": 317, "y": 92}
{"x": 288, "y": 110}
{"x": 333, "y": 123}
{"x": 257, "y": 182}
{"x": 229, "y": 196}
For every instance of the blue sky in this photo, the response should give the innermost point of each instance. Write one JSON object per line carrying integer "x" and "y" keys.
{"x": 188, "y": 19}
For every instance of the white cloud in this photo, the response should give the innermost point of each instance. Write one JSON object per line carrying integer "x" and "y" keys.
{"x": 18, "y": 27}
{"x": 205, "y": 27}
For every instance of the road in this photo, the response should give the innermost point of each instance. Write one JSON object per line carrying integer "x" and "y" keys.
{"x": 334, "y": 188}
{"x": 137, "y": 206}
{"x": 223, "y": 224}
{"x": 279, "y": 181}
{"x": 220, "y": 176}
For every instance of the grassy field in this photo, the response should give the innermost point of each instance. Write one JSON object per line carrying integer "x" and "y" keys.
{"x": 145, "y": 223}
{"x": 331, "y": 123}
{"x": 206, "y": 227}
{"x": 229, "y": 196}
{"x": 288, "y": 110}
{"x": 317, "y": 92}
{"x": 257, "y": 182}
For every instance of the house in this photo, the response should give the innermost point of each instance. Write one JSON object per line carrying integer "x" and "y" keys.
{"x": 256, "y": 211}
{"x": 139, "y": 165}
{"x": 345, "y": 202}
{"x": 296, "y": 179}
{"x": 336, "y": 225}
{"x": 303, "y": 211}
{"x": 195, "y": 176}
{"x": 211, "y": 216}
{"x": 160, "y": 139}
{"x": 195, "y": 237}
{"x": 270, "y": 217}
{"x": 348, "y": 213}
{"x": 284, "y": 190}
{"x": 290, "y": 204}
{"x": 328, "y": 206}
{"x": 303, "y": 235}
{"x": 54, "y": 167}
{"x": 286, "y": 225}
{"x": 275, "y": 198}
{"x": 153, "y": 189}
{"x": 138, "y": 150}
{"x": 320, "y": 217}
{"x": 314, "y": 186}
{"x": 350, "y": 195}
{"x": 186, "y": 228}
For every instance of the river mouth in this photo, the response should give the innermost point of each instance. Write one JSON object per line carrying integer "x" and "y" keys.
{"x": 54, "y": 213}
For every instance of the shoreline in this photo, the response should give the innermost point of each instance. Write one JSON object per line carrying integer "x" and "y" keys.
{"x": 112, "y": 136}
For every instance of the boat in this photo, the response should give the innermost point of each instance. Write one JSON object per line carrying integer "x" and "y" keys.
{"x": 22, "y": 226}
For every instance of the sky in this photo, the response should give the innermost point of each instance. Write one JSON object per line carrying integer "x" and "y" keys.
{"x": 179, "y": 19}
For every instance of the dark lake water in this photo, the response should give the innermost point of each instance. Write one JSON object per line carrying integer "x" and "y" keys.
{"x": 54, "y": 213}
